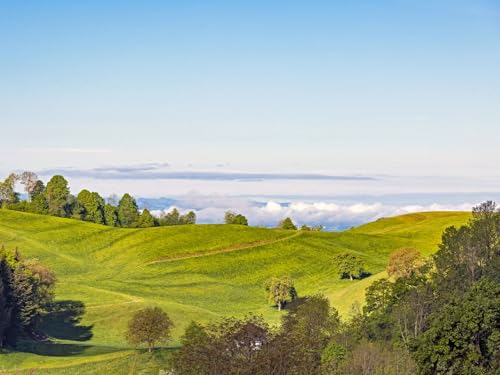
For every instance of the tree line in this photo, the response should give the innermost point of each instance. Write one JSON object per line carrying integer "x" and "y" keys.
{"x": 55, "y": 199}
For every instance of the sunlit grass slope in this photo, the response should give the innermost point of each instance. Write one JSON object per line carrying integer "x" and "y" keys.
{"x": 199, "y": 272}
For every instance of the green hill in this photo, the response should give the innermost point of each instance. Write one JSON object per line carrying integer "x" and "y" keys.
{"x": 194, "y": 272}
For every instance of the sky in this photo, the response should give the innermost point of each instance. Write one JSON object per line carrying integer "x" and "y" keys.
{"x": 303, "y": 98}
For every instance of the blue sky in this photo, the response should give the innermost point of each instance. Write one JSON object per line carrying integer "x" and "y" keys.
{"x": 352, "y": 88}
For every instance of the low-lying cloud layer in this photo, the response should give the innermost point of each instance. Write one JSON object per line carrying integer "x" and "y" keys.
{"x": 334, "y": 216}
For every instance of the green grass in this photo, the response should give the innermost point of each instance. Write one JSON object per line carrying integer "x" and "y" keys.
{"x": 194, "y": 272}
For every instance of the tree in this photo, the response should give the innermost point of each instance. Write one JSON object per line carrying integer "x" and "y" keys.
{"x": 8, "y": 194}
{"x": 91, "y": 206}
{"x": 146, "y": 220}
{"x": 403, "y": 262}
{"x": 111, "y": 215}
{"x": 287, "y": 223}
{"x": 149, "y": 326}
{"x": 128, "y": 213}
{"x": 229, "y": 217}
{"x": 232, "y": 218}
{"x": 57, "y": 196}
{"x": 280, "y": 290}
{"x": 29, "y": 180}
{"x": 37, "y": 190}
{"x": 39, "y": 205}
{"x": 348, "y": 265}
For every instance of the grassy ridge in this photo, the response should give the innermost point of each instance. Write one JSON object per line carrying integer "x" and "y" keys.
{"x": 199, "y": 272}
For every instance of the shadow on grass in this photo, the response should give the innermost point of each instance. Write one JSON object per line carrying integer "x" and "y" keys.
{"x": 52, "y": 349}
{"x": 364, "y": 275}
{"x": 63, "y": 322}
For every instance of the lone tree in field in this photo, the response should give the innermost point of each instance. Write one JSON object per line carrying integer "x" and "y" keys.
{"x": 149, "y": 326}
{"x": 348, "y": 265}
{"x": 280, "y": 290}
{"x": 403, "y": 262}
{"x": 287, "y": 223}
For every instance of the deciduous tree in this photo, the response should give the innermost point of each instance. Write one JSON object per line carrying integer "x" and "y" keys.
{"x": 57, "y": 196}
{"x": 348, "y": 265}
{"x": 403, "y": 262}
{"x": 280, "y": 290}
{"x": 128, "y": 213}
{"x": 149, "y": 326}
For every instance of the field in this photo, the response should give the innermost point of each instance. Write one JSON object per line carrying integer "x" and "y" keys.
{"x": 194, "y": 272}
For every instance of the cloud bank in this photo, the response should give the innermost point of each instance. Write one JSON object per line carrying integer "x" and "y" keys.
{"x": 333, "y": 216}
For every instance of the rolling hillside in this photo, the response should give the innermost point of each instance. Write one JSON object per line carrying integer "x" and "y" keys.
{"x": 196, "y": 272}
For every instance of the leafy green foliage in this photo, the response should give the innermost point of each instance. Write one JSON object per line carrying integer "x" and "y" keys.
{"x": 348, "y": 265}
{"x": 175, "y": 218}
{"x": 128, "y": 213}
{"x": 403, "y": 262}
{"x": 146, "y": 220}
{"x": 111, "y": 215}
{"x": 287, "y": 223}
{"x": 446, "y": 312}
{"x": 232, "y": 218}
{"x": 149, "y": 326}
{"x": 92, "y": 207}
{"x": 58, "y": 197}
{"x": 26, "y": 289}
{"x": 464, "y": 336}
{"x": 8, "y": 194}
{"x": 249, "y": 347}
{"x": 280, "y": 290}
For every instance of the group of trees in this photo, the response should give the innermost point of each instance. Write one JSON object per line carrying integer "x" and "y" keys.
{"x": 55, "y": 199}
{"x": 26, "y": 292}
{"x": 231, "y": 217}
{"x": 250, "y": 346}
{"x": 445, "y": 311}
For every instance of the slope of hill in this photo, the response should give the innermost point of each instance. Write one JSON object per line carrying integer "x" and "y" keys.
{"x": 195, "y": 272}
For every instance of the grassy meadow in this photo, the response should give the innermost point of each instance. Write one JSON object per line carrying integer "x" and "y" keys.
{"x": 193, "y": 272}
